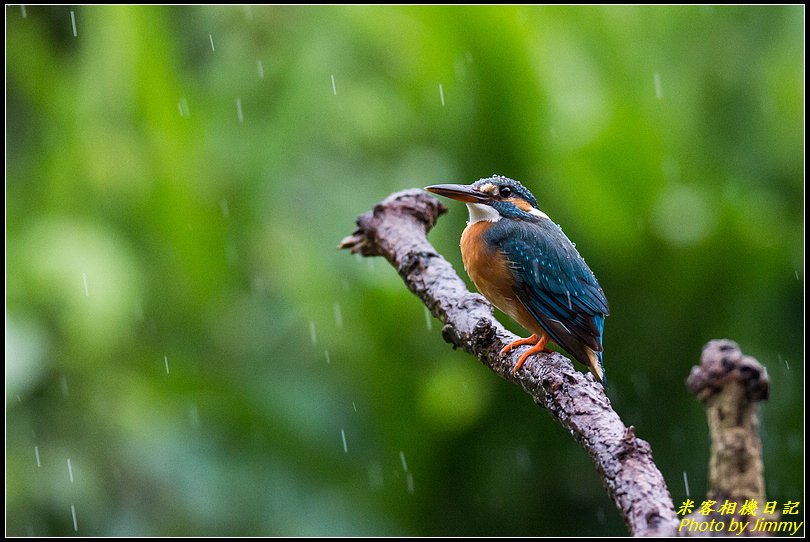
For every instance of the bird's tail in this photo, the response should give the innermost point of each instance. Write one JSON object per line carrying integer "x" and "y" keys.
{"x": 596, "y": 365}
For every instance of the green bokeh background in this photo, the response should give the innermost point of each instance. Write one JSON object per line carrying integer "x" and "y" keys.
{"x": 182, "y": 330}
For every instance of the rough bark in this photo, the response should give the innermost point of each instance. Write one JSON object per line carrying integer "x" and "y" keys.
{"x": 397, "y": 229}
{"x": 730, "y": 385}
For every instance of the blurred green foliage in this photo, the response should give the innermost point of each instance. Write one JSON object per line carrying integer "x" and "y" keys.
{"x": 181, "y": 329}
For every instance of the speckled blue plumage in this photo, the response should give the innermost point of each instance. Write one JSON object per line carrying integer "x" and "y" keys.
{"x": 550, "y": 277}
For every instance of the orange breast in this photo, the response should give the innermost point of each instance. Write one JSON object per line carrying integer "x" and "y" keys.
{"x": 489, "y": 270}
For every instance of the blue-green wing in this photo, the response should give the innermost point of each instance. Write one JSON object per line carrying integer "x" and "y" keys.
{"x": 554, "y": 283}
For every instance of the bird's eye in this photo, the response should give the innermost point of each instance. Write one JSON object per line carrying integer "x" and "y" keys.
{"x": 505, "y": 191}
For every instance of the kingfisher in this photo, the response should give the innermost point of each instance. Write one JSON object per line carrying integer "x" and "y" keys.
{"x": 524, "y": 264}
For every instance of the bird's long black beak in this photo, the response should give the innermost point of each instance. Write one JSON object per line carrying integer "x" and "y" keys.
{"x": 460, "y": 192}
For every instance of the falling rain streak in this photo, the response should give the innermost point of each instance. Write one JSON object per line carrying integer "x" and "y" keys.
{"x": 686, "y": 483}
{"x": 22, "y": 11}
{"x": 328, "y": 359}
{"x": 428, "y": 320}
{"x": 194, "y": 416}
{"x": 402, "y": 459}
{"x": 73, "y": 23}
{"x": 211, "y": 39}
{"x": 223, "y": 205}
{"x": 84, "y": 282}
{"x": 343, "y": 438}
{"x": 657, "y": 82}
{"x": 166, "y": 363}
{"x": 73, "y": 515}
{"x": 410, "y": 483}
{"x": 441, "y": 94}
{"x": 239, "y": 110}
{"x": 312, "y": 335}
{"x": 260, "y": 69}
{"x": 36, "y": 454}
{"x": 354, "y": 406}
{"x": 338, "y": 315}
{"x": 334, "y": 88}
{"x": 70, "y": 470}
{"x": 182, "y": 108}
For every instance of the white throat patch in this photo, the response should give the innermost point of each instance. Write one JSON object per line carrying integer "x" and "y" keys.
{"x": 538, "y": 213}
{"x": 479, "y": 212}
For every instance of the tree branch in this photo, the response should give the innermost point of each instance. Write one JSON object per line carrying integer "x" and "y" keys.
{"x": 397, "y": 229}
{"x": 731, "y": 385}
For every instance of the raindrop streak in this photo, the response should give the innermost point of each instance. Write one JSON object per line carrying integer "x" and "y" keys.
{"x": 73, "y": 514}
{"x": 70, "y": 470}
{"x": 22, "y": 11}
{"x": 796, "y": 272}
{"x": 568, "y": 295}
{"x": 211, "y": 39}
{"x": 410, "y": 483}
{"x": 441, "y": 93}
{"x": 657, "y": 81}
{"x": 36, "y": 453}
{"x": 73, "y": 23}
{"x": 260, "y": 69}
{"x": 404, "y": 463}
{"x": 334, "y": 88}
{"x": 312, "y": 335}
{"x": 428, "y": 320}
{"x": 686, "y": 483}
{"x": 338, "y": 315}
{"x": 194, "y": 416}
{"x": 182, "y": 107}
{"x": 354, "y": 406}
{"x": 343, "y": 437}
{"x": 64, "y": 383}
{"x": 223, "y": 205}
{"x": 785, "y": 360}
{"x": 166, "y": 362}
{"x": 239, "y": 110}
{"x": 84, "y": 281}
{"x": 328, "y": 359}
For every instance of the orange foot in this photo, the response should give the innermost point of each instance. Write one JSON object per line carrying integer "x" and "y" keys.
{"x": 539, "y": 346}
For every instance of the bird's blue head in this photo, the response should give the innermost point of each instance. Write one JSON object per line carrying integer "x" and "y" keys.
{"x": 493, "y": 198}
